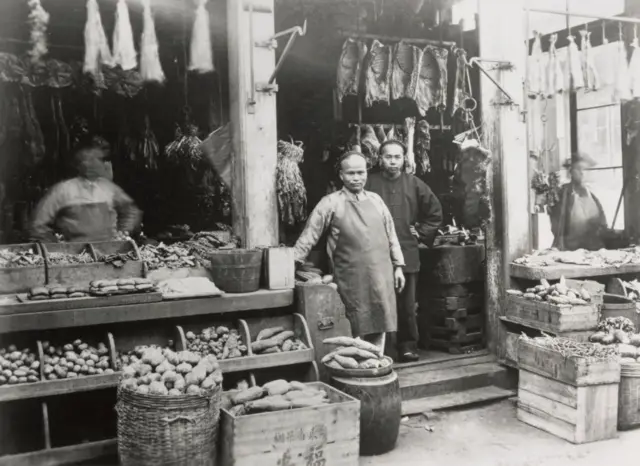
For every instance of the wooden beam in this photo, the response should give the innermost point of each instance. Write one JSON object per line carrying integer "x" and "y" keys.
{"x": 502, "y": 37}
{"x": 254, "y": 210}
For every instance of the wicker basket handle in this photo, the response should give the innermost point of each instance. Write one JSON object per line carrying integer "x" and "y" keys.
{"x": 178, "y": 418}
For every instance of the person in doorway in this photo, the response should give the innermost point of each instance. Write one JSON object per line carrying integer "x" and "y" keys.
{"x": 363, "y": 249}
{"x": 578, "y": 220}
{"x": 417, "y": 215}
{"x": 89, "y": 207}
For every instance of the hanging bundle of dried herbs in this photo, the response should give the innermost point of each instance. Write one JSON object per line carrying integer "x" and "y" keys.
{"x": 292, "y": 194}
{"x": 185, "y": 147}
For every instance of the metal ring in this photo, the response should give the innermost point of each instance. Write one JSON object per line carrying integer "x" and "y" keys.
{"x": 469, "y": 109}
{"x": 543, "y": 118}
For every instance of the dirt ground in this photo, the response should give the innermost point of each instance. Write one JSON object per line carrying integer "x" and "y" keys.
{"x": 491, "y": 435}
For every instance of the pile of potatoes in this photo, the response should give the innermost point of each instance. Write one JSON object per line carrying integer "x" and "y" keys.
{"x": 170, "y": 373}
{"x": 222, "y": 342}
{"x": 126, "y": 358}
{"x": 74, "y": 360}
{"x": 18, "y": 366}
{"x": 277, "y": 395}
{"x": 559, "y": 294}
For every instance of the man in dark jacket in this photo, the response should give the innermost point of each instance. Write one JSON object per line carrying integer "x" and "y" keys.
{"x": 417, "y": 215}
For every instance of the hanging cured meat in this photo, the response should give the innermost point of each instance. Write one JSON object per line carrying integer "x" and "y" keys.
{"x": 410, "y": 125}
{"x": 370, "y": 145}
{"x": 589, "y": 71}
{"x": 623, "y": 78}
{"x": 555, "y": 77}
{"x": 96, "y": 47}
{"x": 349, "y": 68}
{"x": 634, "y": 69}
{"x": 575, "y": 65}
{"x": 608, "y": 60}
{"x": 378, "y": 74}
{"x": 150, "y": 67}
{"x": 407, "y": 60}
{"x": 201, "y": 56}
{"x": 124, "y": 52}
{"x": 460, "y": 89}
{"x": 422, "y": 146}
{"x": 380, "y": 134}
{"x": 536, "y": 68}
{"x": 432, "y": 83}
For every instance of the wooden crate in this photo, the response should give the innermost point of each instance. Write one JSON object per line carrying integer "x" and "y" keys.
{"x": 551, "y": 318}
{"x": 573, "y": 371}
{"x": 578, "y": 414}
{"x": 320, "y": 435}
{"x": 21, "y": 279}
{"x": 279, "y": 269}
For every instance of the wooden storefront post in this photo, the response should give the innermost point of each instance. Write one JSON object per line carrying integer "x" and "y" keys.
{"x": 253, "y": 122}
{"x": 502, "y": 37}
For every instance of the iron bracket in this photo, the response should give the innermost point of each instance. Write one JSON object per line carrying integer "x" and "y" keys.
{"x": 501, "y": 65}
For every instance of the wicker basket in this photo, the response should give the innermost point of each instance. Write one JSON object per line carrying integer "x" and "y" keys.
{"x": 629, "y": 396}
{"x": 167, "y": 430}
{"x": 236, "y": 270}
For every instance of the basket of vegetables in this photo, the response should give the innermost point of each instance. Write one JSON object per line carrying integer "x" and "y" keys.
{"x": 354, "y": 357}
{"x": 168, "y": 409}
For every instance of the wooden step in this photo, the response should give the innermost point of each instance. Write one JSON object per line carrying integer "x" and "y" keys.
{"x": 454, "y": 379}
{"x": 444, "y": 361}
{"x": 455, "y": 399}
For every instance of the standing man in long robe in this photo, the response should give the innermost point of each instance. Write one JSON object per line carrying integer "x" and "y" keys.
{"x": 417, "y": 215}
{"x": 363, "y": 249}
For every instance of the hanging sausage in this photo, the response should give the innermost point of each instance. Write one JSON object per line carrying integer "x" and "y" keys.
{"x": 124, "y": 52}
{"x": 201, "y": 56}
{"x": 150, "y": 67}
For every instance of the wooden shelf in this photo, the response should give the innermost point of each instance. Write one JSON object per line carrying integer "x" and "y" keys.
{"x": 250, "y": 363}
{"x": 262, "y": 299}
{"x": 70, "y": 454}
{"x": 58, "y": 387}
{"x": 555, "y": 272}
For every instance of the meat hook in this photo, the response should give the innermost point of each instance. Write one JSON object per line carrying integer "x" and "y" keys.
{"x": 475, "y": 61}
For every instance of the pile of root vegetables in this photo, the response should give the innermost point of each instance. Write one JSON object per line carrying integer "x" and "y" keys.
{"x": 18, "y": 366}
{"x": 277, "y": 395}
{"x": 222, "y": 342}
{"x": 559, "y": 294}
{"x": 354, "y": 353}
{"x": 309, "y": 274}
{"x": 568, "y": 348}
{"x": 168, "y": 373}
{"x": 277, "y": 340}
{"x": 76, "y": 359}
{"x": 619, "y": 333}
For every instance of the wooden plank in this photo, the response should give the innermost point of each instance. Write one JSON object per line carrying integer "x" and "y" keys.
{"x": 430, "y": 360}
{"x": 549, "y": 317}
{"x": 58, "y": 387}
{"x": 549, "y": 388}
{"x": 453, "y": 303}
{"x": 537, "y": 418}
{"x": 598, "y": 406}
{"x": 471, "y": 322}
{"x": 89, "y": 302}
{"x": 553, "y": 408}
{"x": 581, "y": 336}
{"x": 249, "y": 363}
{"x": 63, "y": 455}
{"x": 254, "y": 210}
{"x": 455, "y": 400}
{"x": 555, "y": 272}
{"x": 262, "y": 299}
{"x": 574, "y": 371}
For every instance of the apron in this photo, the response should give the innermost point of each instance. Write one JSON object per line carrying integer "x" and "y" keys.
{"x": 583, "y": 220}
{"x": 86, "y": 222}
{"x": 363, "y": 269}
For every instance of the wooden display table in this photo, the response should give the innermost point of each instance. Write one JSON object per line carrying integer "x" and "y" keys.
{"x": 556, "y": 271}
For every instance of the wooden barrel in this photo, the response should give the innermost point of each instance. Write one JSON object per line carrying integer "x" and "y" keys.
{"x": 629, "y": 396}
{"x": 619, "y": 306}
{"x": 380, "y": 410}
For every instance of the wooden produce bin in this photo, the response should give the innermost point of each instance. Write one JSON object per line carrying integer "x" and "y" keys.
{"x": 75, "y": 274}
{"x": 572, "y": 398}
{"x": 318, "y": 435}
{"x": 21, "y": 279}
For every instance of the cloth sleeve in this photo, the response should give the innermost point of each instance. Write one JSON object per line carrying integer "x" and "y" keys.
{"x": 129, "y": 216}
{"x": 317, "y": 223}
{"x": 397, "y": 258}
{"x": 429, "y": 214}
{"x": 45, "y": 216}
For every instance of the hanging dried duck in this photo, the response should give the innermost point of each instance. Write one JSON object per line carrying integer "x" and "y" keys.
{"x": 423, "y": 146}
{"x": 349, "y": 68}
{"x": 575, "y": 65}
{"x": 555, "y": 76}
{"x": 536, "y": 67}
{"x": 589, "y": 71}
{"x": 150, "y": 67}
{"x": 201, "y": 56}
{"x": 634, "y": 67}
{"x": 124, "y": 51}
{"x": 378, "y": 74}
{"x": 39, "y": 19}
{"x": 410, "y": 165}
{"x": 407, "y": 63}
{"x": 96, "y": 47}
{"x": 292, "y": 194}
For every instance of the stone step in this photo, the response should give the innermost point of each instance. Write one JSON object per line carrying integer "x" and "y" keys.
{"x": 455, "y": 399}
